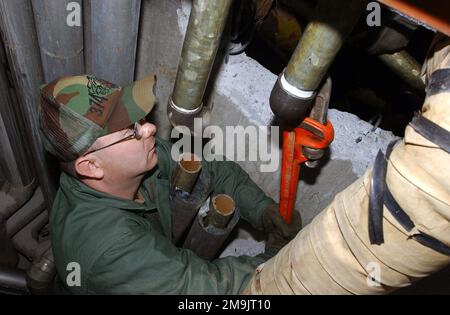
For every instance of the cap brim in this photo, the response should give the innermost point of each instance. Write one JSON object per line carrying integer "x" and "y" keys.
{"x": 134, "y": 103}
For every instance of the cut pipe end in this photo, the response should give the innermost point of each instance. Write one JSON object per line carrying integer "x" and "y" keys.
{"x": 190, "y": 163}
{"x": 224, "y": 204}
{"x": 185, "y": 174}
{"x": 221, "y": 210}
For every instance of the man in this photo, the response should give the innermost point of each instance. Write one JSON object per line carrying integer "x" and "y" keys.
{"x": 111, "y": 215}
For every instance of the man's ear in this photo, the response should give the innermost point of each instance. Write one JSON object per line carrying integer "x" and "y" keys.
{"x": 89, "y": 167}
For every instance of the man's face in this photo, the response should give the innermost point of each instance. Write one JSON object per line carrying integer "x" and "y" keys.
{"x": 131, "y": 158}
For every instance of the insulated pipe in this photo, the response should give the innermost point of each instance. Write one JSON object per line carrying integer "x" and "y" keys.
{"x": 21, "y": 45}
{"x": 186, "y": 172}
{"x": 41, "y": 273}
{"x": 12, "y": 279}
{"x": 8, "y": 254}
{"x": 189, "y": 188}
{"x": 335, "y": 253}
{"x": 26, "y": 214}
{"x": 202, "y": 39}
{"x": 324, "y": 36}
{"x": 206, "y": 239}
{"x": 14, "y": 156}
{"x": 60, "y": 37}
{"x": 221, "y": 210}
{"x": 111, "y": 30}
{"x": 26, "y": 240}
{"x": 406, "y": 67}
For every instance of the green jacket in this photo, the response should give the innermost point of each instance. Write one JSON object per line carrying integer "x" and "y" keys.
{"x": 121, "y": 249}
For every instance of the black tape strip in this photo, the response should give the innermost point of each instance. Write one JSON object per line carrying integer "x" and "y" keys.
{"x": 431, "y": 242}
{"x": 397, "y": 212}
{"x": 376, "y": 198}
{"x": 405, "y": 221}
{"x": 439, "y": 82}
{"x": 431, "y": 131}
{"x": 377, "y": 184}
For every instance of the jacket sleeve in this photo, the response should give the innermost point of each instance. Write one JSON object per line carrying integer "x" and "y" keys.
{"x": 229, "y": 178}
{"x": 139, "y": 262}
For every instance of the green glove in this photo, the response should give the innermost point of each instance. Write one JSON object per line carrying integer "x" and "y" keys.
{"x": 279, "y": 232}
{"x": 273, "y": 222}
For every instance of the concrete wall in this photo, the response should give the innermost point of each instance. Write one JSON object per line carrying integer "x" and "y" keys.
{"x": 239, "y": 95}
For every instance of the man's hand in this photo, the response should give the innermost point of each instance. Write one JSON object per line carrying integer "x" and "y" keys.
{"x": 273, "y": 222}
{"x": 279, "y": 232}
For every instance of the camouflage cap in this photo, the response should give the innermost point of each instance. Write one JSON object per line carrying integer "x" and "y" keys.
{"x": 76, "y": 110}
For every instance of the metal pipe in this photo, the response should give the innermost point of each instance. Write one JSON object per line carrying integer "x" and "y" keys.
{"x": 61, "y": 44}
{"x": 111, "y": 30}
{"x": 189, "y": 188}
{"x": 26, "y": 214}
{"x": 221, "y": 210}
{"x": 8, "y": 254}
{"x": 205, "y": 240}
{"x": 21, "y": 45}
{"x": 186, "y": 172}
{"x": 26, "y": 240}
{"x": 206, "y": 24}
{"x": 294, "y": 90}
{"x": 321, "y": 41}
{"x": 14, "y": 156}
{"x": 406, "y": 67}
{"x": 41, "y": 273}
{"x": 13, "y": 279}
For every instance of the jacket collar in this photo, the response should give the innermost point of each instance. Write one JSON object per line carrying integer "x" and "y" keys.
{"x": 81, "y": 191}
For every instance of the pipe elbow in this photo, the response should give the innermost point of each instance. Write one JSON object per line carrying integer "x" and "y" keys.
{"x": 289, "y": 103}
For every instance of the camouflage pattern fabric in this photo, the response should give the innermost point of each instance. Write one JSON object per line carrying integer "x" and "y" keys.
{"x": 76, "y": 110}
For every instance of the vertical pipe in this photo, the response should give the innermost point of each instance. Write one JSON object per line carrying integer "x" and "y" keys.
{"x": 21, "y": 45}
{"x": 321, "y": 41}
{"x": 111, "y": 30}
{"x": 9, "y": 162}
{"x": 186, "y": 172}
{"x": 202, "y": 39}
{"x": 15, "y": 155}
{"x": 221, "y": 211}
{"x": 324, "y": 36}
{"x": 60, "y": 41}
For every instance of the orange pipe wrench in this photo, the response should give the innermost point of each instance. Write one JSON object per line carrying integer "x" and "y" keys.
{"x": 309, "y": 134}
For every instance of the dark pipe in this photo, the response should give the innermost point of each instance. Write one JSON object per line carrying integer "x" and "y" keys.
{"x": 184, "y": 205}
{"x": 206, "y": 240}
{"x": 41, "y": 274}
{"x": 186, "y": 172}
{"x": 13, "y": 281}
{"x": 290, "y": 108}
{"x": 221, "y": 210}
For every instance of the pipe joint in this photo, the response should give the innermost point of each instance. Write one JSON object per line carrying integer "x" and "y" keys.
{"x": 179, "y": 116}
{"x": 290, "y": 103}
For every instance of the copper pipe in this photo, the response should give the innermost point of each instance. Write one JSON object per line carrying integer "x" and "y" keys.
{"x": 221, "y": 210}
{"x": 186, "y": 172}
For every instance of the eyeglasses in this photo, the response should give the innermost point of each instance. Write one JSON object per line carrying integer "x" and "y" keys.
{"x": 135, "y": 135}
